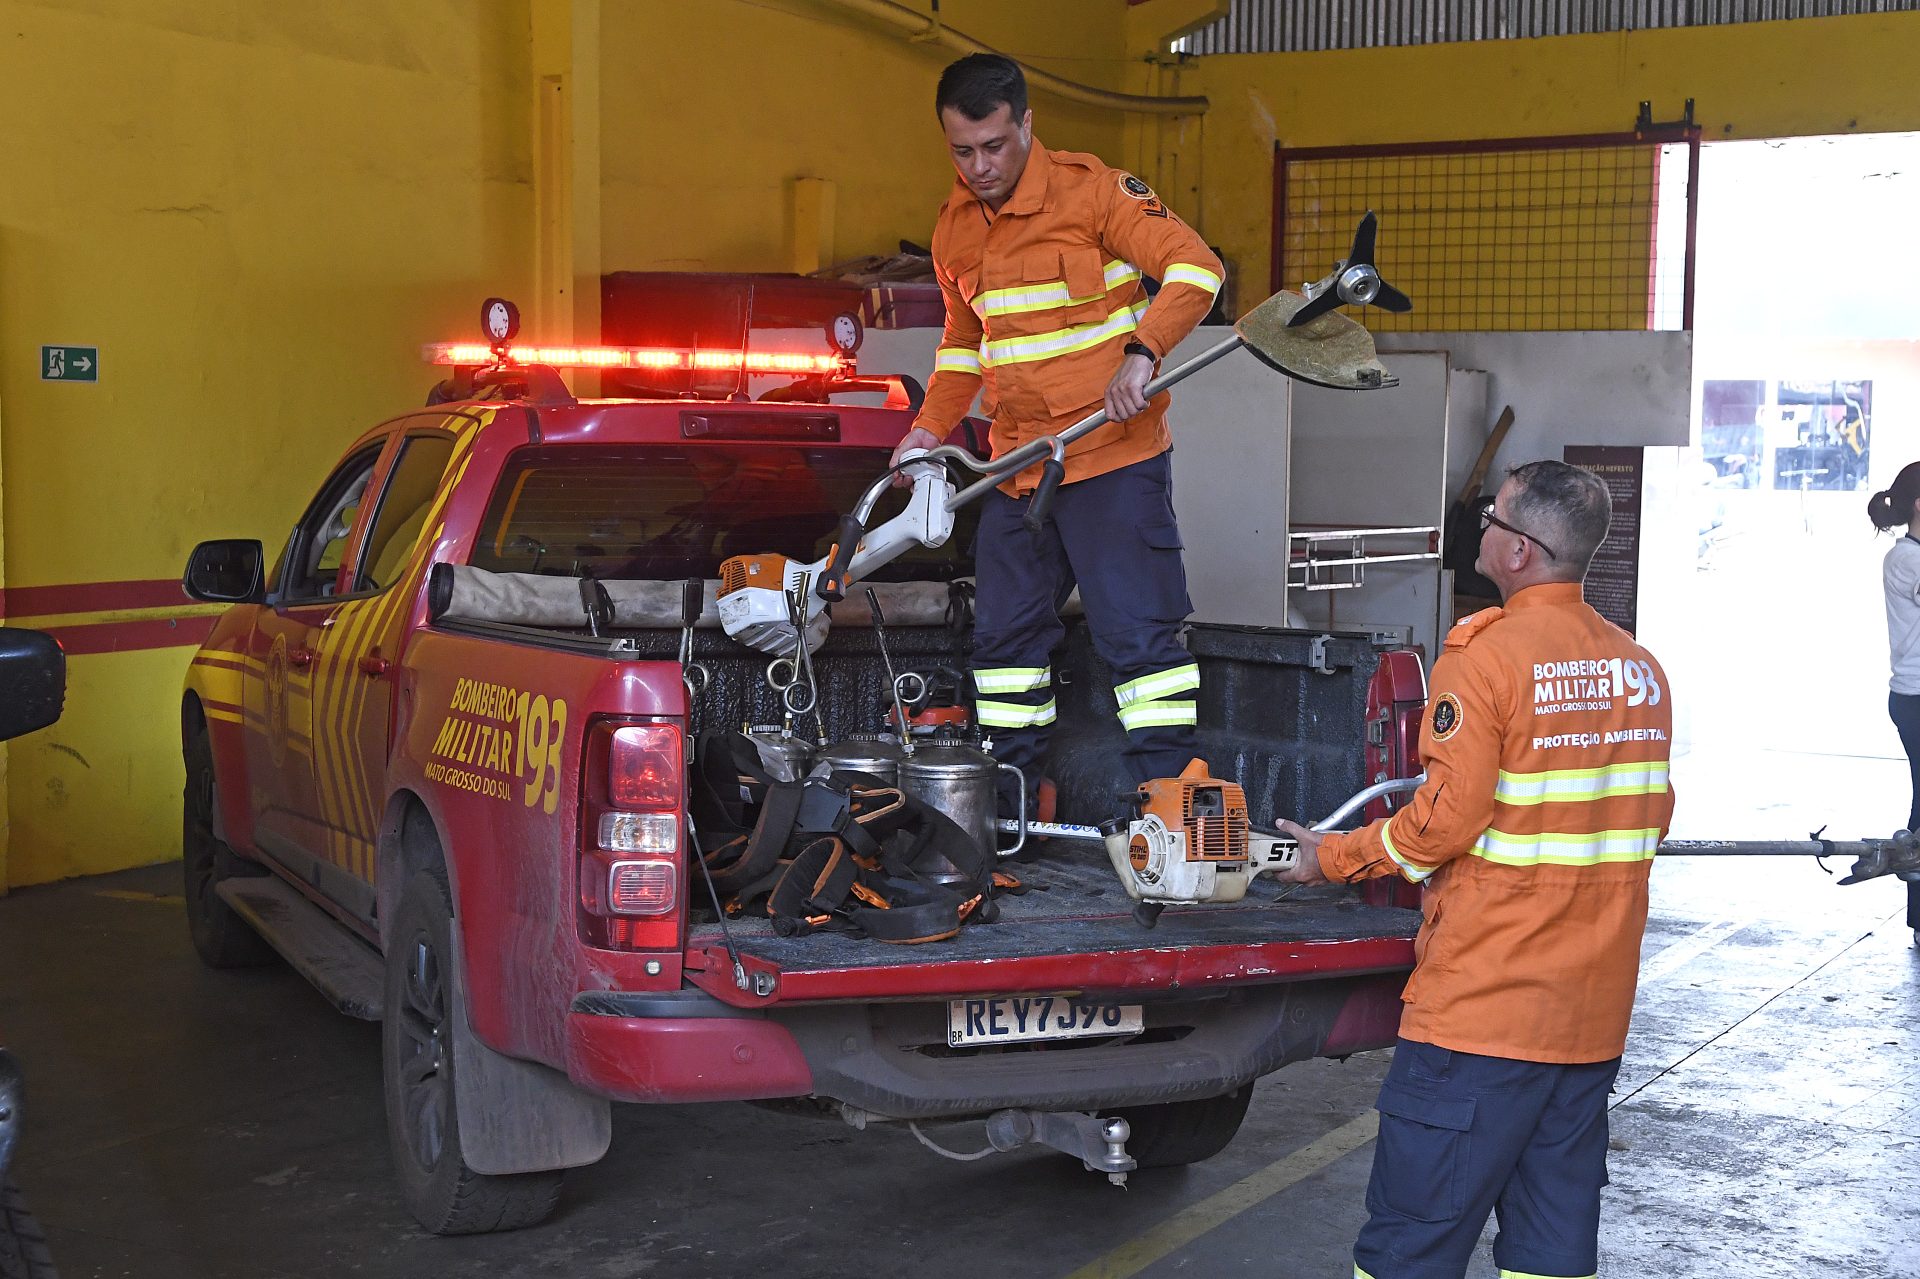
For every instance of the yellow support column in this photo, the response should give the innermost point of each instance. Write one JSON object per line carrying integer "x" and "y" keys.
{"x": 809, "y": 225}
{"x": 566, "y": 176}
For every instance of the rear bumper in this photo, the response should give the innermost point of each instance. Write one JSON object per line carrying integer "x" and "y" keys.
{"x": 891, "y": 1058}
{"x": 681, "y": 1046}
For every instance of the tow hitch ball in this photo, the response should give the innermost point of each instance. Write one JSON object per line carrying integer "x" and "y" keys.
{"x": 1101, "y": 1144}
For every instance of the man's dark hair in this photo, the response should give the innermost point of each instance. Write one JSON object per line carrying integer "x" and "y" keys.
{"x": 1568, "y": 507}
{"x": 977, "y": 84}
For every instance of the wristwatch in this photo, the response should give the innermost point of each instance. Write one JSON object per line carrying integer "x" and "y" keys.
{"x": 1141, "y": 348}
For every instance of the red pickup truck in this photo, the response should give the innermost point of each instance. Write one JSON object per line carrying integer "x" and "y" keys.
{"x": 405, "y": 799}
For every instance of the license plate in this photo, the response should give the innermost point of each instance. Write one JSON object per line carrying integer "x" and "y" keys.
{"x": 1023, "y": 1019}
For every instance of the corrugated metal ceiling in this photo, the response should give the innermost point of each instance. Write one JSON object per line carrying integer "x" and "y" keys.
{"x": 1288, "y": 26}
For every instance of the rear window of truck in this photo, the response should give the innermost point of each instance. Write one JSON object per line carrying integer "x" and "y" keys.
{"x": 676, "y": 511}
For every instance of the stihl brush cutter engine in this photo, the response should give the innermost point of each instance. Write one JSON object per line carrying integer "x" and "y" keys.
{"x": 1189, "y": 842}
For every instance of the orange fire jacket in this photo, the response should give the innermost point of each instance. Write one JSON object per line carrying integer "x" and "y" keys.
{"x": 1042, "y": 298}
{"x": 1546, "y": 753}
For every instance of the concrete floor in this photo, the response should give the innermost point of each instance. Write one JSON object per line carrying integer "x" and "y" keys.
{"x": 190, "y": 1123}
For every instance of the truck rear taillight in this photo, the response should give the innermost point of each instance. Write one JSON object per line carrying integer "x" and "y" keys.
{"x": 640, "y": 832}
{"x": 643, "y": 766}
{"x": 622, "y": 886}
{"x": 632, "y": 836}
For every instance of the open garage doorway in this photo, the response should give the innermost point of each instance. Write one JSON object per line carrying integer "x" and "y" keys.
{"x": 1760, "y": 573}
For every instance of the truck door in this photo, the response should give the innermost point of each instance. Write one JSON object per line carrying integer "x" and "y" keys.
{"x": 357, "y": 658}
{"x": 303, "y": 603}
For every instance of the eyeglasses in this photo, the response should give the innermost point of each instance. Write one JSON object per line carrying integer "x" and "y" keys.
{"x": 1488, "y": 519}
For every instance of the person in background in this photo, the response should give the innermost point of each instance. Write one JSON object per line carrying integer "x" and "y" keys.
{"x": 1899, "y": 508}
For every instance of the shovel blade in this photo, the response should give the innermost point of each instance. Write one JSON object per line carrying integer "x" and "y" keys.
{"x": 1329, "y": 350}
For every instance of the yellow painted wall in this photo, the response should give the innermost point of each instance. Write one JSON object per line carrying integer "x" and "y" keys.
{"x": 258, "y": 212}
{"x": 743, "y": 96}
{"x": 1760, "y": 80}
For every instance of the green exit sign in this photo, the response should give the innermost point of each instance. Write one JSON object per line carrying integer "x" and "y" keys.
{"x": 70, "y": 364}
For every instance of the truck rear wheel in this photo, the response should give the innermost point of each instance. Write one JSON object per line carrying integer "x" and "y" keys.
{"x": 220, "y": 937}
{"x": 1178, "y": 1133}
{"x": 23, "y": 1245}
{"x": 423, "y": 1123}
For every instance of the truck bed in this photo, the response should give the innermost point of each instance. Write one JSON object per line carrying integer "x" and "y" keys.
{"x": 1075, "y": 906}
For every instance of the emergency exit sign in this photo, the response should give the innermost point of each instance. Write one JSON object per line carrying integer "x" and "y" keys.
{"x": 69, "y": 364}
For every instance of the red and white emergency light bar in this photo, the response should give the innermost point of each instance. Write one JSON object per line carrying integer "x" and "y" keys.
{"x": 500, "y": 320}
{"x": 641, "y": 357}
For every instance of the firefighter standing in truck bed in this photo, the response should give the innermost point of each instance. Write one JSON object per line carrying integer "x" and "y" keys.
{"x": 1040, "y": 256}
{"x": 1546, "y": 795}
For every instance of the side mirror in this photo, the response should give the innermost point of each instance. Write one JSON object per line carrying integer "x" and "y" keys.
{"x": 226, "y": 572}
{"x": 33, "y": 681}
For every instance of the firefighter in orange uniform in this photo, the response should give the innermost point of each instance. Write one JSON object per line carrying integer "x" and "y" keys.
{"x": 1546, "y": 794}
{"x": 1042, "y": 257}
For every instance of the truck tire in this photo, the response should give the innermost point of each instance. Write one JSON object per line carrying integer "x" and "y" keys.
{"x": 23, "y": 1245}
{"x": 1178, "y": 1133}
{"x": 220, "y": 937}
{"x": 416, "y": 1039}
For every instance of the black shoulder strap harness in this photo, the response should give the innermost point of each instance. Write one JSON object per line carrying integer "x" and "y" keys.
{"x": 844, "y": 853}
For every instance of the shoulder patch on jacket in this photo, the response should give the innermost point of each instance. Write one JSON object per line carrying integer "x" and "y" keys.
{"x": 1447, "y": 716}
{"x": 1471, "y": 625}
{"x": 1135, "y": 187}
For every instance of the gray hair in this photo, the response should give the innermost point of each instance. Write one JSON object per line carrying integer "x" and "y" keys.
{"x": 1568, "y": 506}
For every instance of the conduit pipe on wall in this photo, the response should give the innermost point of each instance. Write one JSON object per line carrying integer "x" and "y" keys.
{"x": 918, "y": 26}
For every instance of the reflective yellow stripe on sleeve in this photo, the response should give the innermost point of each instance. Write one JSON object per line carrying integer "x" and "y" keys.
{"x": 1570, "y": 784}
{"x": 1555, "y": 849}
{"x": 1414, "y": 872}
{"x": 1198, "y": 276}
{"x": 1528, "y": 1274}
{"x": 956, "y": 359}
{"x": 1044, "y": 346}
{"x": 1012, "y": 679}
{"x": 1013, "y": 715}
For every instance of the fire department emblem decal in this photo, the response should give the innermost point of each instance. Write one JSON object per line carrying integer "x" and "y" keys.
{"x": 1446, "y": 717}
{"x": 1135, "y": 187}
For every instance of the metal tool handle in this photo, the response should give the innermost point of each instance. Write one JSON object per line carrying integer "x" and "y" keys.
{"x": 886, "y": 658}
{"x": 1027, "y": 454}
{"x": 1393, "y": 786}
{"x": 993, "y": 471}
{"x": 1020, "y": 823}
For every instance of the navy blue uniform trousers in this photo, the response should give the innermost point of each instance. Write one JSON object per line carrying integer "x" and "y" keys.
{"x": 1113, "y": 536}
{"x": 1462, "y": 1136}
